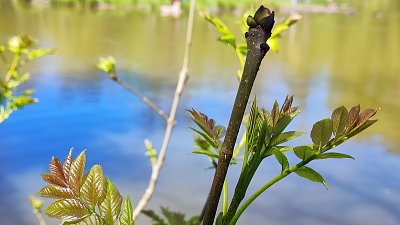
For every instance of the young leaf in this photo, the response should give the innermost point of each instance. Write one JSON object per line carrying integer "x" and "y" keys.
{"x": 282, "y": 123}
{"x": 207, "y": 125}
{"x": 363, "y": 126}
{"x": 91, "y": 219}
{"x": 126, "y": 214}
{"x": 275, "y": 113}
{"x": 175, "y": 218}
{"x": 52, "y": 191}
{"x": 92, "y": 188}
{"x": 76, "y": 172}
{"x": 310, "y": 174}
{"x": 67, "y": 165}
{"x": 110, "y": 207}
{"x": 282, "y": 160}
{"x": 304, "y": 152}
{"x": 52, "y": 179}
{"x": 156, "y": 219}
{"x": 321, "y": 132}
{"x": 334, "y": 155}
{"x": 284, "y": 137}
{"x": 67, "y": 209}
{"x": 56, "y": 168}
{"x": 339, "y": 118}
{"x": 218, "y": 221}
{"x": 38, "y": 53}
{"x": 226, "y": 35}
{"x": 364, "y": 116}
{"x": 207, "y": 153}
{"x": 351, "y": 119}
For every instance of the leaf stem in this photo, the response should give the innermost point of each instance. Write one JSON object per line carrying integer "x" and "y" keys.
{"x": 13, "y": 66}
{"x": 225, "y": 201}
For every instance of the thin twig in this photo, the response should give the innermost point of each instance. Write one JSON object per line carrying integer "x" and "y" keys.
{"x": 39, "y": 217}
{"x": 183, "y": 75}
{"x": 146, "y": 100}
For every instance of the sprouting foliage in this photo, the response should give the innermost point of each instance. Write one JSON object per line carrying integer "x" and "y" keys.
{"x": 83, "y": 198}
{"x": 12, "y": 97}
{"x": 266, "y": 135}
{"x": 227, "y": 37}
{"x": 171, "y": 218}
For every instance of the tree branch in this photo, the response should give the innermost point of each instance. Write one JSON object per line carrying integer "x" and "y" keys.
{"x": 259, "y": 32}
{"x": 183, "y": 76}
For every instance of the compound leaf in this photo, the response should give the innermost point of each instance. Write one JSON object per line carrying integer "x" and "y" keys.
{"x": 310, "y": 174}
{"x": 92, "y": 188}
{"x": 110, "y": 207}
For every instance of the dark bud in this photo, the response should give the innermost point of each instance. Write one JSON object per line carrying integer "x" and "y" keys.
{"x": 246, "y": 34}
{"x": 251, "y": 22}
{"x": 265, "y": 18}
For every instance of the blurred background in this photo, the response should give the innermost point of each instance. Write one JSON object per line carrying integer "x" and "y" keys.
{"x": 342, "y": 52}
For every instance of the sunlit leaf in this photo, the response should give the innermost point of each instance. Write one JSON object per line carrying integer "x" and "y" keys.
{"x": 93, "y": 185}
{"x": 273, "y": 44}
{"x": 304, "y": 152}
{"x": 218, "y": 221}
{"x": 67, "y": 165}
{"x": 76, "y": 172}
{"x": 91, "y": 219}
{"x": 365, "y": 115}
{"x": 284, "y": 137}
{"x": 206, "y": 137}
{"x": 351, "y": 119}
{"x": 275, "y": 113}
{"x": 110, "y": 207}
{"x": 339, "y": 118}
{"x": 282, "y": 123}
{"x": 52, "y": 179}
{"x": 282, "y": 160}
{"x": 321, "y": 132}
{"x": 287, "y": 104}
{"x": 52, "y": 191}
{"x": 362, "y": 127}
{"x": 207, "y": 125}
{"x": 39, "y": 52}
{"x": 310, "y": 174}
{"x": 334, "y": 155}
{"x": 175, "y": 218}
{"x": 56, "y": 168}
{"x": 207, "y": 153}
{"x": 226, "y": 35}
{"x": 126, "y": 214}
{"x": 67, "y": 209}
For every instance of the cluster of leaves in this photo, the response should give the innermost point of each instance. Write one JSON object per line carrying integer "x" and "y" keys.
{"x": 208, "y": 139}
{"x": 83, "y": 198}
{"x": 22, "y": 49}
{"x": 171, "y": 218}
{"x": 266, "y": 136}
{"x": 227, "y": 37}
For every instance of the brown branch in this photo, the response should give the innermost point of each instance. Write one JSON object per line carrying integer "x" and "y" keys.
{"x": 183, "y": 76}
{"x": 259, "y": 32}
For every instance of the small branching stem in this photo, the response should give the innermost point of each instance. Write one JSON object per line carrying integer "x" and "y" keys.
{"x": 13, "y": 67}
{"x": 39, "y": 217}
{"x": 255, "y": 38}
{"x": 183, "y": 76}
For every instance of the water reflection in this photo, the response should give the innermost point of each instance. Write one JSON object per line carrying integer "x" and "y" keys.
{"x": 326, "y": 61}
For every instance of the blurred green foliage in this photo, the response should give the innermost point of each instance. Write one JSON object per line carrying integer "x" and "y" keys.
{"x": 12, "y": 97}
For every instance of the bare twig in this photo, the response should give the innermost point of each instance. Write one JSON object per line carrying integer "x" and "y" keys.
{"x": 39, "y": 217}
{"x": 146, "y": 100}
{"x": 183, "y": 75}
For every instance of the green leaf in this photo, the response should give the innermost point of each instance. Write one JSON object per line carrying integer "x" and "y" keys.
{"x": 206, "y": 137}
{"x": 279, "y": 29}
{"x": 91, "y": 219}
{"x": 310, "y": 174}
{"x": 76, "y": 173}
{"x": 304, "y": 152}
{"x": 322, "y": 132}
{"x": 339, "y": 118}
{"x": 52, "y": 191}
{"x": 226, "y": 35}
{"x": 334, "y": 155}
{"x": 34, "y": 54}
{"x": 282, "y": 123}
{"x": 126, "y": 214}
{"x": 362, "y": 127}
{"x": 284, "y": 137}
{"x": 157, "y": 220}
{"x": 275, "y": 113}
{"x": 207, "y": 125}
{"x": 351, "y": 119}
{"x": 218, "y": 221}
{"x": 173, "y": 218}
{"x": 67, "y": 209}
{"x": 92, "y": 188}
{"x": 273, "y": 44}
{"x": 207, "y": 153}
{"x": 282, "y": 160}
{"x": 110, "y": 207}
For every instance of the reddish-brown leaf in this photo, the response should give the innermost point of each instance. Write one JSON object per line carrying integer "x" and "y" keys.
{"x": 364, "y": 116}
{"x": 275, "y": 113}
{"x": 351, "y": 119}
{"x": 52, "y": 179}
{"x": 76, "y": 173}
{"x": 287, "y": 104}
{"x": 52, "y": 191}
{"x": 67, "y": 165}
{"x": 56, "y": 168}
{"x": 207, "y": 125}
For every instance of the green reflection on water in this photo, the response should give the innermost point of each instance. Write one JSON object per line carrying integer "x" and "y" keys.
{"x": 359, "y": 51}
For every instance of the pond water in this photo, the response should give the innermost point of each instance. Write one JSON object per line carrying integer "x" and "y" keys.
{"x": 326, "y": 61}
